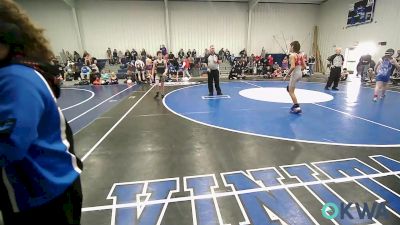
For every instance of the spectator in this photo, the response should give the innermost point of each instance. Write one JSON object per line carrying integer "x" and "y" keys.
{"x": 120, "y": 56}
{"x": 264, "y": 62}
{"x": 228, "y": 55}
{"x": 181, "y": 54}
{"x": 96, "y": 81}
{"x": 69, "y": 56}
{"x": 371, "y": 75}
{"x": 87, "y": 59}
{"x": 40, "y": 181}
{"x": 221, "y": 54}
{"x": 143, "y": 55}
{"x": 109, "y": 55}
{"x": 128, "y": 56}
{"x": 149, "y": 68}
{"x": 171, "y": 56}
{"x": 275, "y": 66}
{"x": 105, "y": 77}
{"x": 163, "y": 50}
{"x": 140, "y": 70}
{"x": 278, "y": 72}
{"x": 129, "y": 77}
{"x": 363, "y": 66}
{"x": 344, "y": 74}
{"x": 134, "y": 54}
{"x": 251, "y": 59}
{"x": 186, "y": 67}
{"x": 206, "y": 52}
{"x": 243, "y": 53}
{"x": 77, "y": 57}
{"x": 113, "y": 78}
{"x": 311, "y": 63}
{"x": 270, "y": 60}
{"x": 268, "y": 71}
{"x": 194, "y": 53}
{"x": 263, "y": 52}
{"x": 189, "y": 53}
{"x": 285, "y": 63}
{"x": 115, "y": 56}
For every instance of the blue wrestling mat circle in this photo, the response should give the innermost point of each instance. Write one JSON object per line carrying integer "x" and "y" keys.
{"x": 348, "y": 117}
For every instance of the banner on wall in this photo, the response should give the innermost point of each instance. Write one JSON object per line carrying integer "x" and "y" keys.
{"x": 361, "y": 12}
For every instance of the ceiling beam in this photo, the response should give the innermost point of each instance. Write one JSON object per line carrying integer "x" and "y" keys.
{"x": 71, "y": 3}
{"x": 253, "y": 3}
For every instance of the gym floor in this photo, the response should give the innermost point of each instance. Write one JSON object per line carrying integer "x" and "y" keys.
{"x": 240, "y": 158}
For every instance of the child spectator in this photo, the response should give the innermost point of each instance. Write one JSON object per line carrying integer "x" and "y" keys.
{"x": 113, "y": 78}
{"x": 97, "y": 81}
{"x": 278, "y": 72}
{"x": 129, "y": 77}
{"x": 275, "y": 66}
{"x": 85, "y": 73}
{"x": 344, "y": 74}
{"x": 268, "y": 71}
{"x": 194, "y": 53}
{"x": 105, "y": 77}
{"x": 371, "y": 74}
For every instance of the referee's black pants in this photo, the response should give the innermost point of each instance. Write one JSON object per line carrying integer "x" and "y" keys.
{"x": 334, "y": 77}
{"x": 213, "y": 76}
{"x": 63, "y": 210}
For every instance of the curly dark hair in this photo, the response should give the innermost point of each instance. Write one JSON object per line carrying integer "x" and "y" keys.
{"x": 33, "y": 44}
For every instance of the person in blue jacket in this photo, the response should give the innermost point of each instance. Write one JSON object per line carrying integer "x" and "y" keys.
{"x": 39, "y": 172}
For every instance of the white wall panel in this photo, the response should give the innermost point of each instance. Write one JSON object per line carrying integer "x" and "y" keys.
{"x": 56, "y": 18}
{"x": 200, "y": 24}
{"x": 333, "y": 19}
{"x": 284, "y": 21}
{"x": 121, "y": 25}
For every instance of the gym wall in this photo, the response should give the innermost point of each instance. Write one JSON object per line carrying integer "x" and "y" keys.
{"x": 199, "y": 24}
{"x": 287, "y": 22}
{"x": 121, "y": 25}
{"x": 333, "y": 31}
{"x": 141, "y": 24}
{"x": 56, "y": 18}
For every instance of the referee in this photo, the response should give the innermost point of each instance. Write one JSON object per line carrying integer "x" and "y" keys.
{"x": 336, "y": 62}
{"x": 212, "y": 60}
